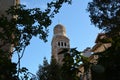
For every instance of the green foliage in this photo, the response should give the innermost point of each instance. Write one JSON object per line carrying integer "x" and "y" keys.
{"x": 42, "y": 73}
{"x": 110, "y": 60}
{"x": 55, "y": 70}
{"x": 68, "y": 70}
{"x": 23, "y": 24}
{"x": 49, "y": 71}
{"x": 7, "y": 69}
{"x": 72, "y": 62}
{"x": 105, "y": 14}
{"x": 86, "y": 63}
{"x": 18, "y": 28}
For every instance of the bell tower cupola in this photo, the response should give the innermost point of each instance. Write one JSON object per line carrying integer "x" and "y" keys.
{"x": 59, "y": 30}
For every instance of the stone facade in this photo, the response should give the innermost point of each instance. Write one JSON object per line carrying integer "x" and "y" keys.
{"x": 5, "y": 5}
{"x": 59, "y": 42}
{"x": 99, "y": 46}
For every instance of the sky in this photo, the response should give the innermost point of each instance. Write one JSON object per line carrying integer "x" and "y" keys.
{"x": 79, "y": 30}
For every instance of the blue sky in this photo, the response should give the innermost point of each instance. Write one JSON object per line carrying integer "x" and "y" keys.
{"x": 79, "y": 29}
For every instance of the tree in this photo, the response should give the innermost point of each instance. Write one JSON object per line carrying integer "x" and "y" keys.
{"x": 27, "y": 23}
{"x": 105, "y": 14}
{"x": 43, "y": 70}
{"x": 50, "y": 71}
{"x": 71, "y": 63}
{"x": 55, "y": 70}
{"x": 68, "y": 70}
{"x": 19, "y": 30}
{"x": 7, "y": 69}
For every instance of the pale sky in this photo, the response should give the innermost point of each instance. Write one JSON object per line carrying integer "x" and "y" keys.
{"x": 79, "y": 30}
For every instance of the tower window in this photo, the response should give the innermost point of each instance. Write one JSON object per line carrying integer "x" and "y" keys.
{"x": 58, "y": 43}
{"x": 65, "y": 44}
{"x": 61, "y": 43}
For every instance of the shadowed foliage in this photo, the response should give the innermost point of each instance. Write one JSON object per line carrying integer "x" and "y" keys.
{"x": 18, "y": 28}
{"x": 105, "y": 14}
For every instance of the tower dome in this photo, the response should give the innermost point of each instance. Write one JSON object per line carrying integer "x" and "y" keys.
{"x": 59, "y": 30}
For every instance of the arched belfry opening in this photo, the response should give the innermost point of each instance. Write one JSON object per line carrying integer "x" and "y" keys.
{"x": 59, "y": 42}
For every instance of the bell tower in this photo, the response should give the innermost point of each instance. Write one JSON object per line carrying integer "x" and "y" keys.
{"x": 59, "y": 42}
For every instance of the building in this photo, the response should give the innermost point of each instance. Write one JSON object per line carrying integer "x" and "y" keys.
{"x": 97, "y": 48}
{"x": 5, "y": 5}
{"x": 87, "y": 52}
{"x": 59, "y": 42}
{"x": 100, "y": 46}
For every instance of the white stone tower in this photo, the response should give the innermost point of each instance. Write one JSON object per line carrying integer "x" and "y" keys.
{"x": 59, "y": 42}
